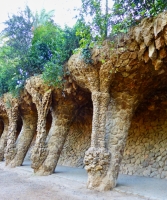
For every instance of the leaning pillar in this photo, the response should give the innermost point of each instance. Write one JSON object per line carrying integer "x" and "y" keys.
{"x": 103, "y": 167}
{"x": 3, "y": 139}
{"x": 97, "y": 158}
{"x": 118, "y": 126}
{"x": 103, "y": 158}
{"x": 62, "y": 115}
{"x": 39, "y": 150}
{"x": 25, "y": 137}
{"x": 97, "y": 79}
{"x": 41, "y": 97}
{"x": 11, "y": 106}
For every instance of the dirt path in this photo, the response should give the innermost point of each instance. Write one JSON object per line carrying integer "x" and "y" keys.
{"x": 16, "y": 184}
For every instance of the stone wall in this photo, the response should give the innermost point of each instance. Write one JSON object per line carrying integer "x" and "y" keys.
{"x": 145, "y": 152}
{"x": 48, "y": 126}
{"x": 95, "y": 107}
{"x": 78, "y": 139}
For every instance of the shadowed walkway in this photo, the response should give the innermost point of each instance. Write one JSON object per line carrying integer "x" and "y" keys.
{"x": 150, "y": 188}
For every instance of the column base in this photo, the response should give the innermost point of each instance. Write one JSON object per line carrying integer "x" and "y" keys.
{"x": 97, "y": 161}
{"x": 38, "y": 156}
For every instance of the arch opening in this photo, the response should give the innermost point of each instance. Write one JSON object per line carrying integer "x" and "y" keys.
{"x": 145, "y": 152}
{"x": 1, "y": 127}
{"x": 79, "y": 138}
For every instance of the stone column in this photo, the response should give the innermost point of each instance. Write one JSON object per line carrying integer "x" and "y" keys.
{"x": 100, "y": 104}
{"x": 117, "y": 140}
{"x": 62, "y": 115}
{"x": 97, "y": 157}
{"x": 97, "y": 78}
{"x": 39, "y": 150}
{"x": 24, "y": 138}
{"x": 11, "y": 106}
{"x": 3, "y": 139}
{"x": 120, "y": 115}
{"x": 103, "y": 167}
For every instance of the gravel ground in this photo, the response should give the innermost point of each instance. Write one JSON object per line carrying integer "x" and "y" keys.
{"x": 20, "y": 184}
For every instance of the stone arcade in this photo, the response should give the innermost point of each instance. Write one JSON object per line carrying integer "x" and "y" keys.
{"x": 100, "y": 106}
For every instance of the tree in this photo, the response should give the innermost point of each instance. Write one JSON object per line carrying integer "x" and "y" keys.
{"x": 61, "y": 44}
{"x": 16, "y": 36}
{"x": 18, "y": 32}
{"x": 127, "y": 13}
{"x": 96, "y": 15}
{"x": 7, "y": 70}
{"x": 27, "y": 50}
{"x": 42, "y": 18}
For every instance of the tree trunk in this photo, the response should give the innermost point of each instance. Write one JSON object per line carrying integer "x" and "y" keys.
{"x": 106, "y": 20}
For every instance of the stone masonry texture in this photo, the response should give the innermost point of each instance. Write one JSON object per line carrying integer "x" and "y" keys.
{"x": 108, "y": 116}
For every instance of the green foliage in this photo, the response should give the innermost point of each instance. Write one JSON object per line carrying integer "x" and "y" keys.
{"x": 42, "y": 18}
{"x": 86, "y": 55}
{"x": 18, "y": 32}
{"x": 127, "y": 13}
{"x": 44, "y": 47}
{"x": 83, "y": 31}
{"x": 32, "y": 45}
{"x": 93, "y": 25}
{"x": 16, "y": 41}
{"x": 97, "y": 20}
{"x": 7, "y": 69}
{"x": 71, "y": 41}
{"x": 65, "y": 42}
{"x": 95, "y": 16}
{"x": 53, "y": 74}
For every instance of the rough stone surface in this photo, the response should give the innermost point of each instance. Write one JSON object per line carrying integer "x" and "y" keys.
{"x": 61, "y": 119}
{"x": 145, "y": 152}
{"x": 127, "y": 75}
{"x": 3, "y": 129}
{"x": 78, "y": 139}
{"x": 63, "y": 104}
{"x": 97, "y": 79}
{"x": 28, "y": 114}
{"x": 41, "y": 96}
{"x": 11, "y": 106}
{"x": 3, "y": 138}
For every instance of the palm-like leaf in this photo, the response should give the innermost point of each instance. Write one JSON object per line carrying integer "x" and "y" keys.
{"x": 42, "y": 18}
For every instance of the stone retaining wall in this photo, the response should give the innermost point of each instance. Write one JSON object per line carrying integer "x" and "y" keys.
{"x": 145, "y": 152}
{"x": 78, "y": 140}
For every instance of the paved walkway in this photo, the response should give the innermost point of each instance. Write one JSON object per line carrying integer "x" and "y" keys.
{"x": 149, "y": 188}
